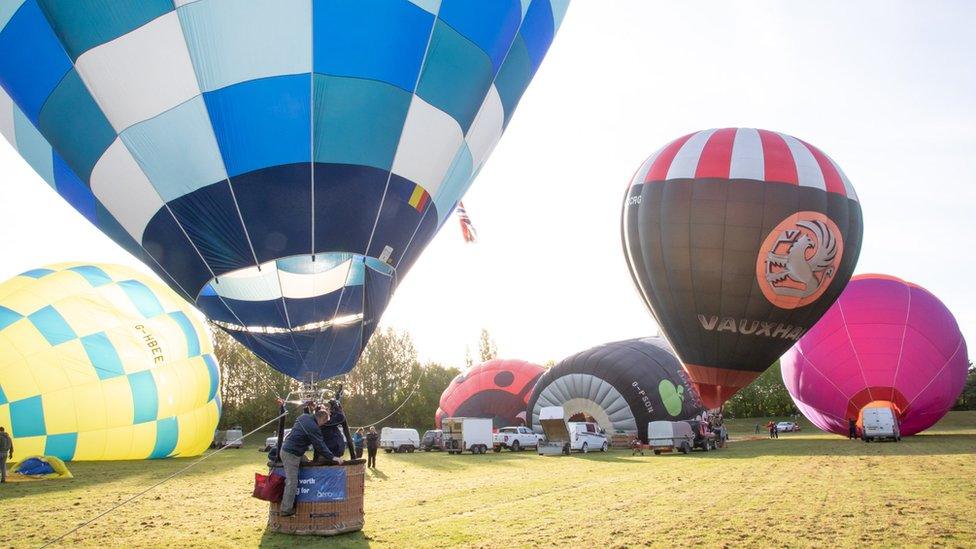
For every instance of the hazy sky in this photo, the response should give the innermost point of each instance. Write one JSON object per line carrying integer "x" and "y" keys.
{"x": 887, "y": 89}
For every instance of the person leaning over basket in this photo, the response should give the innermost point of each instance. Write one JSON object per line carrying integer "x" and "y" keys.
{"x": 306, "y": 432}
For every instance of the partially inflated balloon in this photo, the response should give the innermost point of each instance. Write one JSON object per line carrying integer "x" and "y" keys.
{"x": 622, "y": 385}
{"x": 279, "y": 163}
{"x": 738, "y": 240}
{"x": 885, "y": 342}
{"x": 99, "y": 362}
{"x": 498, "y": 388}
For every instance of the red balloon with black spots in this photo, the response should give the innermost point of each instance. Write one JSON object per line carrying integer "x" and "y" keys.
{"x": 498, "y": 388}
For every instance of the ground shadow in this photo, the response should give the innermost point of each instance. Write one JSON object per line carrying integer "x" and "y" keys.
{"x": 352, "y": 540}
{"x": 87, "y": 474}
{"x": 927, "y": 444}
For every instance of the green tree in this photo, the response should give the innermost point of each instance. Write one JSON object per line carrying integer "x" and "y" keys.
{"x": 249, "y": 388}
{"x": 967, "y": 398}
{"x": 487, "y": 348}
{"x": 419, "y": 411}
{"x": 766, "y": 396}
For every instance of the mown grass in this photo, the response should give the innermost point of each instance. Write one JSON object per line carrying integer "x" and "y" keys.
{"x": 806, "y": 489}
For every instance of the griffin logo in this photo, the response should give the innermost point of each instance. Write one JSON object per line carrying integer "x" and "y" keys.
{"x": 798, "y": 259}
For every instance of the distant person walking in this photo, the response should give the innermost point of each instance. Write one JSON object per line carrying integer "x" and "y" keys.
{"x": 757, "y": 427}
{"x": 772, "y": 429}
{"x": 372, "y": 445}
{"x": 357, "y": 442}
{"x": 851, "y": 429}
{"x": 775, "y": 430}
{"x": 6, "y": 451}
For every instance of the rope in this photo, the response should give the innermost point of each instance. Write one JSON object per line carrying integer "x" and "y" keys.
{"x": 174, "y": 475}
{"x": 402, "y": 404}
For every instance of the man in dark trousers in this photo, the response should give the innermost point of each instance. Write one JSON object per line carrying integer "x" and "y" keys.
{"x": 306, "y": 432}
{"x": 851, "y": 429}
{"x": 6, "y": 450}
{"x": 372, "y": 445}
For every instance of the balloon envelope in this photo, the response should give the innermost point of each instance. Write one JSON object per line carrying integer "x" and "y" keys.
{"x": 622, "y": 385}
{"x": 279, "y": 163}
{"x": 99, "y": 362}
{"x": 885, "y": 341}
{"x": 498, "y": 388}
{"x": 738, "y": 240}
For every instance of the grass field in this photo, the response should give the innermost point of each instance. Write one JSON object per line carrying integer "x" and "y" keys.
{"x": 805, "y": 489}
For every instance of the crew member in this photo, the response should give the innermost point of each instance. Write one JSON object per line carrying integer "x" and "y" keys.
{"x": 6, "y": 450}
{"x": 851, "y": 429}
{"x": 306, "y": 432}
{"x": 332, "y": 431}
{"x": 372, "y": 445}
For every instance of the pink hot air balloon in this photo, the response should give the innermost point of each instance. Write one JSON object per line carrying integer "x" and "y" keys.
{"x": 884, "y": 342}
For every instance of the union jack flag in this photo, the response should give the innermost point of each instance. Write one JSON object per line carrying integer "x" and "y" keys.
{"x": 467, "y": 229}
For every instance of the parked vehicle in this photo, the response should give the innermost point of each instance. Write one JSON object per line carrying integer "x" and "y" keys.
{"x": 586, "y": 436}
{"x": 669, "y": 436}
{"x": 515, "y": 439}
{"x": 471, "y": 434}
{"x": 787, "y": 427}
{"x": 705, "y": 439}
{"x": 680, "y": 436}
{"x": 432, "y": 440}
{"x": 272, "y": 441}
{"x": 879, "y": 423}
{"x": 397, "y": 440}
{"x": 556, "y": 439}
{"x": 231, "y": 438}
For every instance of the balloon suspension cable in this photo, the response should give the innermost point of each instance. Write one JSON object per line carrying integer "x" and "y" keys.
{"x": 196, "y": 462}
{"x": 416, "y": 384}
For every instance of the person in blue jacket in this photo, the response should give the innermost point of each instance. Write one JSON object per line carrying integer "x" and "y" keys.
{"x": 306, "y": 432}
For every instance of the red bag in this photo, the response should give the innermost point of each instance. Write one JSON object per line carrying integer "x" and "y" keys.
{"x": 269, "y": 487}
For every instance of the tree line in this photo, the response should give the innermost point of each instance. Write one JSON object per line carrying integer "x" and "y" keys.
{"x": 390, "y": 386}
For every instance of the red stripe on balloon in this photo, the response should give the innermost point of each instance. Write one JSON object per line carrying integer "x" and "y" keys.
{"x": 716, "y": 156}
{"x": 777, "y": 158}
{"x": 659, "y": 170}
{"x": 831, "y": 176}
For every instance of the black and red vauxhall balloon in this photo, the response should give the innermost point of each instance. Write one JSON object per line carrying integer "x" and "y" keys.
{"x": 738, "y": 240}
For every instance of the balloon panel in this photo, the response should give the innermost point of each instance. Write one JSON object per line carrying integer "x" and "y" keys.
{"x": 498, "y": 388}
{"x": 738, "y": 240}
{"x": 622, "y": 385}
{"x": 883, "y": 340}
{"x": 98, "y": 362}
{"x": 247, "y": 150}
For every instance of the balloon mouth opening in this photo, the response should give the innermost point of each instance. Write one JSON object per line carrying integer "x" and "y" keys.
{"x": 307, "y": 277}
{"x": 715, "y": 386}
{"x": 877, "y": 397}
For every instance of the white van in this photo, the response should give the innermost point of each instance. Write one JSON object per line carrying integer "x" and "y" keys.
{"x": 879, "y": 423}
{"x": 397, "y": 440}
{"x": 586, "y": 436}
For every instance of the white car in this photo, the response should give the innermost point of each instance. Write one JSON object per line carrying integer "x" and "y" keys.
{"x": 787, "y": 427}
{"x": 272, "y": 441}
{"x": 515, "y": 439}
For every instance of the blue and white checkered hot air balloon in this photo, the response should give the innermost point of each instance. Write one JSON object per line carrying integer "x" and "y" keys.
{"x": 279, "y": 163}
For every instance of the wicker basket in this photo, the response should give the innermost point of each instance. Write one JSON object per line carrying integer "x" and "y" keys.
{"x": 325, "y": 518}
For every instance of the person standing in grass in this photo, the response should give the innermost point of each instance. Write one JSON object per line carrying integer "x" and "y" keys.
{"x": 372, "y": 445}
{"x": 6, "y": 451}
{"x": 357, "y": 442}
{"x": 757, "y": 427}
{"x": 851, "y": 429}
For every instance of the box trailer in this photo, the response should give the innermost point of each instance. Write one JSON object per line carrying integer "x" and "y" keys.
{"x": 472, "y": 434}
{"x": 557, "y": 439}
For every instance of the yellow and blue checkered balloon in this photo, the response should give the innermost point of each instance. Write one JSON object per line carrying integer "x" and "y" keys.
{"x": 99, "y": 362}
